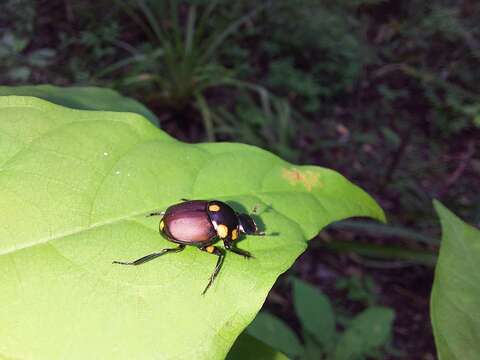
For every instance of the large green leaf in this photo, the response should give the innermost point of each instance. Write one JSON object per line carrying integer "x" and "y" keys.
{"x": 455, "y": 300}
{"x": 82, "y": 98}
{"x": 74, "y": 189}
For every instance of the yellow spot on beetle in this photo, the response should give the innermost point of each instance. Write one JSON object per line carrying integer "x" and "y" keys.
{"x": 222, "y": 231}
{"x": 234, "y": 234}
{"x": 214, "y": 208}
{"x": 162, "y": 225}
{"x": 210, "y": 249}
{"x": 307, "y": 178}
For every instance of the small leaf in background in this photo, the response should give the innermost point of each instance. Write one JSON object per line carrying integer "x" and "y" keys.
{"x": 247, "y": 347}
{"x": 315, "y": 312}
{"x": 358, "y": 288}
{"x": 42, "y": 57}
{"x": 367, "y": 331}
{"x": 312, "y": 350}
{"x": 274, "y": 332}
{"x": 19, "y": 73}
{"x": 455, "y": 299}
{"x": 390, "y": 136}
{"x": 14, "y": 43}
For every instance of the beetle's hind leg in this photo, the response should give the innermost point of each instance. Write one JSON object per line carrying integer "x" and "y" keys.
{"x": 221, "y": 255}
{"x": 152, "y": 256}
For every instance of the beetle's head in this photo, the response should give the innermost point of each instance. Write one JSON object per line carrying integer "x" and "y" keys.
{"x": 247, "y": 225}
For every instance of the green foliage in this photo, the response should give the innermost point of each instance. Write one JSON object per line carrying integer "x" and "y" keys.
{"x": 367, "y": 332}
{"x": 456, "y": 289}
{"x": 180, "y": 62}
{"x": 295, "y": 83}
{"x": 95, "y": 46}
{"x": 315, "y": 313}
{"x": 363, "y": 336}
{"x": 75, "y": 187}
{"x": 415, "y": 251}
{"x": 273, "y": 126}
{"x": 439, "y": 78}
{"x": 322, "y": 48}
{"x": 387, "y": 92}
{"x": 358, "y": 289}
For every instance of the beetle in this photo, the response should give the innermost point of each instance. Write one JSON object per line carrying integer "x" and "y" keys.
{"x": 202, "y": 223}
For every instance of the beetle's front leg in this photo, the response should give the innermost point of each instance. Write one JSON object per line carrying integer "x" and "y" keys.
{"x": 229, "y": 246}
{"x": 221, "y": 255}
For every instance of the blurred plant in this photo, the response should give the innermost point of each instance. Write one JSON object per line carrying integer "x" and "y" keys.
{"x": 180, "y": 61}
{"x": 415, "y": 248}
{"x": 272, "y": 126}
{"x": 296, "y": 84}
{"x": 415, "y": 45}
{"x": 421, "y": 87}
{"x": 16, "y": 33}
{"x": 317, "y": 56}
{"x": 93, "y": 47}
{"x": 363, "y": 335}
{"x": 358, "y": 288}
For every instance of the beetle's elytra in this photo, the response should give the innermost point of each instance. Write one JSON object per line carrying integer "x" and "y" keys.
{"x": 201, "y": 223}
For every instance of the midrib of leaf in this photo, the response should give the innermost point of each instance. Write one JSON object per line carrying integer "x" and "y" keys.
{"x": 41, "y": 241}
{"x": 119, "y": 219}
{"x": 111, "y": 221}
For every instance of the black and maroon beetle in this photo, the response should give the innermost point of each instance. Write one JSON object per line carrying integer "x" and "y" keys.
{"x": 201, "y": 223}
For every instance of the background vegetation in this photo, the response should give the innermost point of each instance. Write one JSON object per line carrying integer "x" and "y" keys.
{"x": 386, "y": 92}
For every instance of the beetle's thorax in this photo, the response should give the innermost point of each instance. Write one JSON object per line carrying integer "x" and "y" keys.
{"x": 224, "y": 219}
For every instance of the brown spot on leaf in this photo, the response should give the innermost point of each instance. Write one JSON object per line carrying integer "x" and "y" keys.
{"x": 306, "y": 177}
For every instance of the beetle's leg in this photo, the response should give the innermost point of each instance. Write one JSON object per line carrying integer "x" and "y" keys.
{"x": 152, "y": 256}
{"x": 183, "y": 199}
{"x": 221, "y": 255}
{"x": 229, "y": 246}
{"x": 156, "y": 213}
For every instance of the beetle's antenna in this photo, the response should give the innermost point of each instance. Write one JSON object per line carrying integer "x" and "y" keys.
{"x": 255, "y": 208}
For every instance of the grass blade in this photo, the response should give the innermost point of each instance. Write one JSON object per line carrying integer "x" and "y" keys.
{"x": 206, "y": 116}
{"x": 192, "y": 13}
